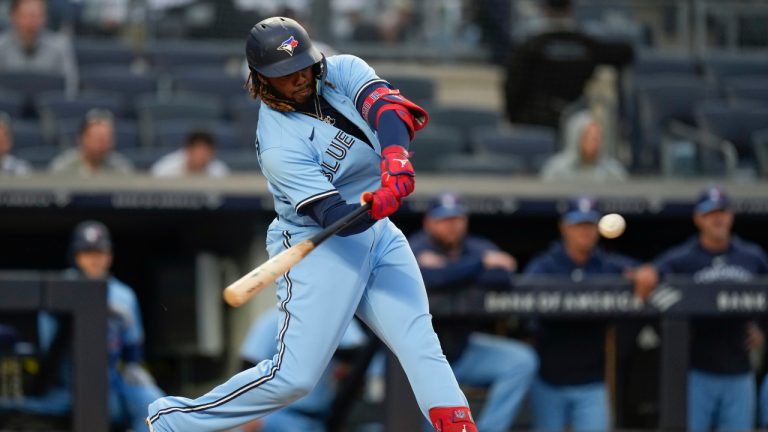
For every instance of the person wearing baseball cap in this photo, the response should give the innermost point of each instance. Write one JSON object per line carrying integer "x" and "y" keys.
{"x": 131, "y": 387}
{"x": 570, "y": 391}
{"x": 450, "y": 260}
{"x": 721, "y": 385}
{"x": 332, "y": 136}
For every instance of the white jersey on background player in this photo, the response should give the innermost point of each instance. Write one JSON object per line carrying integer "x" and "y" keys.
{"x": 368, "y": 270}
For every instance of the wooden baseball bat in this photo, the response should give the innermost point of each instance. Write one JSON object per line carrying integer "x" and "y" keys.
{"x": 240, "y": 291}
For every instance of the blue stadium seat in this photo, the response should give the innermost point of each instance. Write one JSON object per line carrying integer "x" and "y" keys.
{"x": 655, "y": 62}
{"x": 245, "y": 113}
{"x": 719, "y": 68}
{"x": 128, "y": 85}
{"x": 419, "y": 89}
{"x": 433, "y": 144}
{"x": 661, "y": 102}
{"x": 735, "y": 123}
{"x": 11, "y": 103}
{"x": 153, "y": 111}
{"x": 464, "y": 119}
{"x": 533, "y": 145}
{"x": 172, "y": 134}
{"x": 170, "y": 54}
{"x": 760, "y": 146}
{"x": 30, "y": 85}
{"x": 30, "y": 144}
{"x": 126, "y": 133}
{"x": 747, "y": 89}
{"x": 103, "y": 51}
{"x": 214, "y": 83}
{"x": 56, "y": 107}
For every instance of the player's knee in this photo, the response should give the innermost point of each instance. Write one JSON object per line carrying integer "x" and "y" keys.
{"x": 300, "y": 387}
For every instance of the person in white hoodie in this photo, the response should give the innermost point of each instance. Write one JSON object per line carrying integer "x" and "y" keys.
{"x": 583, "y": 156}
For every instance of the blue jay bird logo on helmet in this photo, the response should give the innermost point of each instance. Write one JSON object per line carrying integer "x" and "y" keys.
{"x": 288, "y": 45}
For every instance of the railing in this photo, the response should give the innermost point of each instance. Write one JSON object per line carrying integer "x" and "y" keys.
{"x": 672, "y": 302}
{"x": 86, "y": 303}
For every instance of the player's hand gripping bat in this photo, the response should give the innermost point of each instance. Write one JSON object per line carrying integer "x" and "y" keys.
{"x": 262, "y": 276}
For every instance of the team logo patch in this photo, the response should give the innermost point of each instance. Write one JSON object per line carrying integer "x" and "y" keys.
{"x": 460, "y": 414}
{"x": 288, "y": 45}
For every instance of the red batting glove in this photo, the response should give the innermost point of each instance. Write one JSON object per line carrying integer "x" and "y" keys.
{"x": 383, "y": 202}
{"x": 396, "y": 171}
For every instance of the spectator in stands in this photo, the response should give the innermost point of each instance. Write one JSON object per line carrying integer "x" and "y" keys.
{"x": 721, "y": 384}
{"x": 583, "y": 156}
{"x": 450, "y": 259}
{"x": 94, "y": 154}
{"x": 28, "y": 47}
{"x": 196, "y": 158}
{"x": 9, "y": 164}
{"x": 549, "y": 70}
{"x": 308, "y": 414}
{"x": 131, "y": 388}
{"x": 570, "y": 392}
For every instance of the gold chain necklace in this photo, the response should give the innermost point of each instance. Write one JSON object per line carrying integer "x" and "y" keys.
{"x": 318, "y": 114}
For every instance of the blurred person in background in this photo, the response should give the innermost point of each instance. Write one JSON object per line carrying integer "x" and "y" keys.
{"x": 450, "y": 259}
{"x": 28, "y": 47}
{"x": 95, "y": 153}
{"x": 131, "y": 387}
{"x": 196, "y": 158}
{"x": 570, "y": 390}
{"x": 310, "y": 413}
{"x": 721, "y": 383}
{"x": 583, "y": 156}
{"x": 550, "y": 67}
{"x": 9, "y": 164}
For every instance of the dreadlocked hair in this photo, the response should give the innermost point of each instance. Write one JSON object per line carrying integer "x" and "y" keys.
{"x": 257, "y": 90}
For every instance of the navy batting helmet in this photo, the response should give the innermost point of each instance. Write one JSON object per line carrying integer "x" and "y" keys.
{"x": 280, "y": 46}
{"x": 91, "y": 236}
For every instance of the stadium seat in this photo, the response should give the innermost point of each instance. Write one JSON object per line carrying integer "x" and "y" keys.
{"x": 120, "y": 81}
{"x": 11, "y": 103}
{"x": 245, "y": 113}
{"x": 210, "y": 82}
{"x": 31, "y": 84}
{"x": 735, "y": 124}
{"x": 719, "y": 68}
{"x": 152, "y": 111}
{"x": 760, "y": 146}
{"x": 661, "y": 102}
{"x": 30, "y": 144}
{"x": 433, "y": 144}
{"x": 464, "y": 119}
{"x": 747, "y": 89}
{"x": 655, "y": 63}
{"x": 170, "y": 54}
{"x": 126, "y": 133}
{"x": 419, "y": 89}
{"x": 172, "y": 134}
{"x": 103, "y": 51}
{"x": 532, "y": 145}
{"x": 55, "y": 108}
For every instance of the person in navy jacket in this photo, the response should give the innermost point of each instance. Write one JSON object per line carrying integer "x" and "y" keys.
{"x": 721, "y": 385}
{"x": 570, "y": 391}
{"x": 450, "y": 259}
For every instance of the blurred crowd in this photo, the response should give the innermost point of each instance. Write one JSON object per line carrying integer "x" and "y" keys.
{"x": 588, "y": 91}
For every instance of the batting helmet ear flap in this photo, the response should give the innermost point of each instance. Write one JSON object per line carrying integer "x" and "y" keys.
{"x": 320, "y": 70}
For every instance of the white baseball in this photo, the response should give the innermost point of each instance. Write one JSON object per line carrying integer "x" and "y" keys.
{"x": 611, "y": 225}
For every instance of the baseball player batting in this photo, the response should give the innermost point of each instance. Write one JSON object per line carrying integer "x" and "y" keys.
{"x": 331, "y": 134}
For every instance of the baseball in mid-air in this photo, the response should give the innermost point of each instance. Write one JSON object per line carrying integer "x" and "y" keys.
{"x": 611, "y": 225}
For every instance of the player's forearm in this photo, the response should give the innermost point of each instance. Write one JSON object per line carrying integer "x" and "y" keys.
{"x": 328, "y": 210}
{"x": 464, "y": 271}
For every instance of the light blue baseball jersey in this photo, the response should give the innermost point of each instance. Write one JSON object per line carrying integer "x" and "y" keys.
{"x": 306, "y": 160}
{"x": 372, "y": 274}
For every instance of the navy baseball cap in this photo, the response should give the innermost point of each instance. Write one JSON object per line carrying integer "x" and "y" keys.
{"x": 91, "y": 236}
{"x": 712, "y": 198}
{"x": 580, "y": 210}
{"x": 446, "y": 205}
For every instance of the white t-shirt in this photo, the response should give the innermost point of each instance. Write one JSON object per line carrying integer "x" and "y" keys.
{"x": 175, "y": 165}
